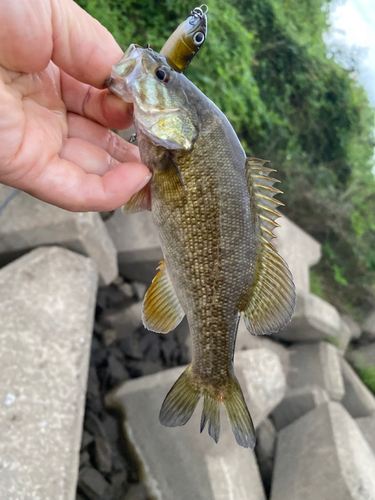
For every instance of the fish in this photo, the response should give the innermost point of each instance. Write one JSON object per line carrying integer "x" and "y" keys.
{"x": 186, "y": 40}
{"x": 214, "y": 210}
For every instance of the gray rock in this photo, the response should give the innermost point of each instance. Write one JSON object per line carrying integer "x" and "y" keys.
{"x": 314, "y": 319}
{"x": 137, "y": 244}
{"x": 300, "y": 251}
{"x": 354, "y": 328}
{"x": 180, "y": 463}
{"x": 323, "y": 455}
{"x": 125, "y": 321}
{"x": 27, "y": 223}
{"x": 316, "y": 364}
{"x": 87, "y": 439}
{"x": 246, "y": 341}
{"x": 296, "y": 403}
{"x": 363, "y": 356}
{"x": 47, "y": 301}
{"x": 367, "y": 426}
{"x": 93, "y": 484}
{"x": 136, "y": 491}
{"x": 369, "y": 326}
{"x": 265, "y": 451}
{"x": 358, "y": 400}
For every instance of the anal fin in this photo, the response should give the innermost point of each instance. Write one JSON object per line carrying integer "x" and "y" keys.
{"x": 162, "y": 311}
{"x": 270, "y": 304}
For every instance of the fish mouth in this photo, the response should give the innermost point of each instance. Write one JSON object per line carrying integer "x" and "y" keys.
{"x": 124, "y": 72}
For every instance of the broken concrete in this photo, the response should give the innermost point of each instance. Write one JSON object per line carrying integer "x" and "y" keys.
{"x": 47, "y": 304}
{"x": 27, "y": 223}
{"x": 316, "y": 364}
{"x": 137, "y": 244}
{"x": 296, "y": 403}
{"x": 367, "y": 426}
{"x": 180, "y": 463}
{"x": 300, "y": 251}
{"x": 358, "y": 400}
{"x": 323, "y": 455}
{"x": 265, "y": 452}
{"x": 314, "y": 319}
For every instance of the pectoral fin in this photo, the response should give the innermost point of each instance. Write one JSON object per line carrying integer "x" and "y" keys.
{"x": 162, "y": 311}
{"x": 139, "y": 201}
{"x": 270, "y": 304}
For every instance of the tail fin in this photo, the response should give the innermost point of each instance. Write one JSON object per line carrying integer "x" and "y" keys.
{"x": 183, "y": 398}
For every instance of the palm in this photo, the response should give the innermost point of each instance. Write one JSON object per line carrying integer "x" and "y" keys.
{"x": 54, "y": 129}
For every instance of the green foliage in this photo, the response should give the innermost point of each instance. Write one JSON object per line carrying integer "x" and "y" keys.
{"x": 265, "y": 65}
{"x": 368, "y": 377}
{"x": 316, "y": 286}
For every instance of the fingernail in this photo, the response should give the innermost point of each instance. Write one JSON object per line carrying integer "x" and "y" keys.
{"x": 143, "y": 183}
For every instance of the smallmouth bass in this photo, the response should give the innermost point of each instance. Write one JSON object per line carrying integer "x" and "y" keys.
{"x": 214, "y": 211}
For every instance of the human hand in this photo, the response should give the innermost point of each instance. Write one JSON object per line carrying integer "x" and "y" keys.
{"x": 55, "y": 141}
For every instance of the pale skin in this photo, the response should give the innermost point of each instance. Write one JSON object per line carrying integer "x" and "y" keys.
{"x": 55, "y": 117}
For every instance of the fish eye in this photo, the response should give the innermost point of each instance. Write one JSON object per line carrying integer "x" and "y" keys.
{"x": 162, "y": 74}
{"x": 198, "y": 38}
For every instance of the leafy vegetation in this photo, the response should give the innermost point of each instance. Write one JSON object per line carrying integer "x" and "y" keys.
{"x": 265, "y": 65}
{"x": 368, "y": 377}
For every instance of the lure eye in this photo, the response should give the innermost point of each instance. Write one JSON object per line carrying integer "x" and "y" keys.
{"x": 162, "y": 74}
{"x": 198, "y": 38}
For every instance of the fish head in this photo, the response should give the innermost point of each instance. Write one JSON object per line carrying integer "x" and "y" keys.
{"x": 161, "y": 106}
{"x": 186, "y": 40}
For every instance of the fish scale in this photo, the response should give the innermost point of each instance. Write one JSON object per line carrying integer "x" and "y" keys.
{"x": 214, "y": 212}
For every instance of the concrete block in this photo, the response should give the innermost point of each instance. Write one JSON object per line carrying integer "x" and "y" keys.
{"x": 358, "y": 400}
{"x": 27, "y": 223}
{"x": 354, "y": 328}
{"x": 296, "y": 403}
{"x": 316, "y": 364}
{"x": 323, "y": 455}
{"x": 47, "y": 304}
{"x": 265, "y": 451}
{"x": 314, "y": 319}
{"x": 180, "y": 463}
{"x": 369, "y": 326}
{"x": 300, "y": 251}
{"x": 247, "y": 341}
{"x": 363, "y": 356}
{"x": 367, "y": 426}
{"x": 137, "y": 244}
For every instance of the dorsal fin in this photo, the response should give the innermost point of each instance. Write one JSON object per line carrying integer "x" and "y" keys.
{"x": 162, "y": 311}
{"x": 271, "y": 301}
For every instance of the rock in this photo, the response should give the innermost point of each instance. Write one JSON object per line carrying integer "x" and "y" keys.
{"x": 119, "y": 483}
{"x": 136, "y": 491}
{"x": 117, "y": 371}
{"x": 93, "y": 484}
{"x": 261, "y": 374}
{"x": 109, "y": 336}
{"x": 265, "y": 451}
{"x": 323, "y": 455}
{"x": 200, "y": 468}
{"x": 316, "y": 364}
{"x": 139, "y": 289}
{"x": 103, "y": 452}
{"x": 125, "y": 321}
{"x": 300, "y": 251}
{"x": 354, "y": 328}
{"x": 369, "y": 326}
{"x": 363, "y": 356}
{"x": 246, "y": 341}
{"x": 27, "y": 223}
{"x": 314, "y": 319}
{"x": 47, "y": 301}
{"x": 358, "y": 400}
{"x": 296, "y": 403}
{"x": 84, "y": 459}
{"x": 137, "y": 244}
{"x": 87, "y": 439}
{"x": 367, "y": 426}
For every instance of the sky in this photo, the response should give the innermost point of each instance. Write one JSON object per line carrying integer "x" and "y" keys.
{"x": 353, "y": 25}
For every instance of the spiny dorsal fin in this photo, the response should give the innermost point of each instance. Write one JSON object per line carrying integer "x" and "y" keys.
{"x": 162, "y": 311}
{"x": 272, "y": 298}
{"x": 139, "y": 201}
